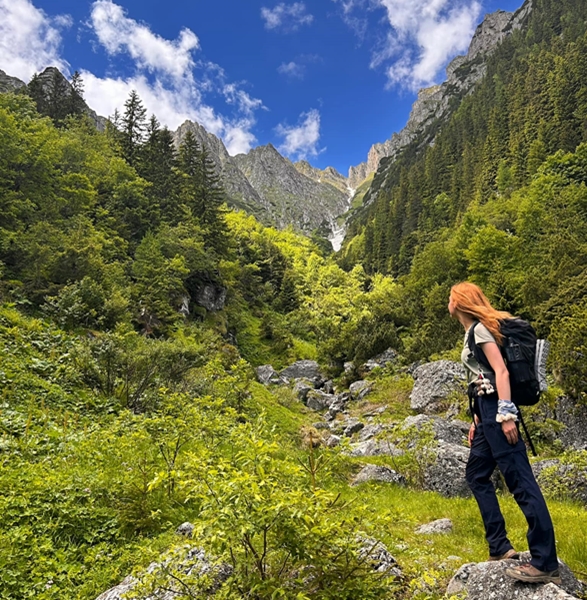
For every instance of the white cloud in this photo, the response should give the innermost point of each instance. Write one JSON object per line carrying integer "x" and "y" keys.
{"x": 166, "y": 79}
{"x": 302, "y": 140}
{"x": 423, "y": 36}
{"x": 288, "y": 17}
{"x": 292, "y": 70}
{"x": 29, "y": 39}
{"x": 117, "y": 33}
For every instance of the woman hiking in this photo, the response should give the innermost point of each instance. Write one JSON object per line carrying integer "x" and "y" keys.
{"x": 495, "y": 440}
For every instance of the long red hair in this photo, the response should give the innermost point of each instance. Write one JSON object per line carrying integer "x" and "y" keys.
{"x": 469, "y": 299}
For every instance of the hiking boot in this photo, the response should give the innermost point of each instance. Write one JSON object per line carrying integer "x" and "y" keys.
{"x": 529, "y": 574}
{"x": 509, "y": 554}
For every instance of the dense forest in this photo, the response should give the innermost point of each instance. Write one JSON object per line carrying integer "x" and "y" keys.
{"x": 134, "y": 305}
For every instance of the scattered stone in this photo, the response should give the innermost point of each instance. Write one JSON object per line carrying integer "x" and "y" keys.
{"x": 348, "y": 367}
{"x": 186, "y": 529}
{"x": 321, "y": 425}
{"x": 353, "y": 426}
{"x": 370, "y": 431}
{"x": 381, "y": 360}
{"x": 481, "y": 581}
{"x": 304, "y": 369}
{"x": 434, "y": 382}
{"x": 359, "y": 389}
{"x": 328, "y": 387}
{"x": 266, "y": 375}
{"x": 375, "y": 412}
{"x": 379, "y": 557}
{"x": 332, "y": 441}
{"x": 301, "y": 389}
{"x": 378, "y": 473}
{"x": 337, "y": 406}
{"x": 376, "y": 448}
{"x": 438, "y": 526}
{"x": 446, "y": 431}
{"x": 194, "y": 563}
{"x": 318, "y": 400}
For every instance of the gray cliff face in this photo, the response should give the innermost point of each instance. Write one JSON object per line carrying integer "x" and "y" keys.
{"x": 9, "y": 84}
{"x": 291, "y": 197}
{"x": 271, "y": 187}
{"x": 434, "y": 102}
{"x": 240, "y": 193}
{"x": 47, "y": 78}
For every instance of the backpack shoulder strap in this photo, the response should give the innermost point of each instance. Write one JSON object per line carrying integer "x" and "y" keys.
{"x": 476, "y": 350}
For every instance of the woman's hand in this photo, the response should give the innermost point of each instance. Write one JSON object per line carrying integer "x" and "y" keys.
{"x": 510, "y": 431}
{"x": 471, "y": 434}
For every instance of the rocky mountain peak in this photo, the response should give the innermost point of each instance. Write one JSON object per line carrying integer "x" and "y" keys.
{"x": 434, "y": 102}
{"x": 9, "y": 84}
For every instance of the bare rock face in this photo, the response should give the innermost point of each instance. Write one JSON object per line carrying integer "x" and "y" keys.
{"x": 194, "y": 563}
{"x": 9, "y": 84}
{"x": 435, "y": 381}
{"x": 446, "y": 473}
{"x": 438, "y": 526}
{"x": 212, "y": 297}
{"x": 328, "y": 175}
{"x": 434, "y": 102}
{"x": 481, "y": 581}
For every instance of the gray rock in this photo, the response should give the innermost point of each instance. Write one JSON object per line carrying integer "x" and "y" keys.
{"x": 193, "y": 563}
{"x": 304, "y": 369}
{"x": 266, "y": 375}
{"x": 352, "y": 426}
{"x": 359, "y": 389}
{"x": 563, "y": 479}
{"x": 487, "y": 580}
{"x": 381, "y": 360}
{"x": 186, "y": 529}
{"x": 438, "y": 526}
{"x": 348, "y": 366}
{"x": 573, "y": 415}
{"x": 434, "y": 382}
{"x": 211, "y": 296}
{"x": 328, "y": 387}
{"x": 9, "y": 84}
{"x": 378, "y": 473}
{"x": 446, "y": 474}
{"x": 301, "y": 389}
{"x": 318, "y": 400}
{"x": 376, "y": 448}
{"x": 443, "y": 430}
{"x": 332, "y": 441}
{"x": 378, "y": 557}
{"x": 370, "y": 431}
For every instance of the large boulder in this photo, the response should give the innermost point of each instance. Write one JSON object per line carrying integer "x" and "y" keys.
{"x": 563, "y": 478}
{"x": 445, "y": 473}
{"x": 378, "y": 473}
{"x": 318, "y": 400}
{"x": 266, "y": 375}
{"x": 304, "y": 369}
{"x": 211, "y": 296}
{"x": 434, "y": 383}
{"x": 453, "y": 432}
{"x": 573, "y": 416}
{"x": 487, "y": 580}
{"x": 191, "y": 563}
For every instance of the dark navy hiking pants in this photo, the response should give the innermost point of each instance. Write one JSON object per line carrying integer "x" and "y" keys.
{"x": 490, "y": 448}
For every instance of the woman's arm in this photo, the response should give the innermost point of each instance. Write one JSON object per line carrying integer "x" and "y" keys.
{"x": 502, "y": 382}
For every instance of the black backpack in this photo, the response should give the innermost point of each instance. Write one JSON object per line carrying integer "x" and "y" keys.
{"x": 524, "y": 355}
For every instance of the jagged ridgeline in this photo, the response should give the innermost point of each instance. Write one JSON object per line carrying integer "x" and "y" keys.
{"x": 467, "y": 149}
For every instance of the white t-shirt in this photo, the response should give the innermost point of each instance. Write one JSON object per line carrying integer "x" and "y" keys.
{"x": 473, "y": 368}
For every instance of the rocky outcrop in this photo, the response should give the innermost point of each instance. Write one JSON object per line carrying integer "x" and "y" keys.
{"x": 381, "y": 360}
{"x": 9, "y": 84}
{"x": 452, "y": 432}
{"x": 290, "y": 197}
{"x": 481, "y": 581}
{"x": 212, "y": 297}
{"x": 193, "y": 564}
{"x": 328, "y": 175}
{"x": 445, "y": 472}
{"x": 434, "y": 383}
{"x": 436, "y": 101}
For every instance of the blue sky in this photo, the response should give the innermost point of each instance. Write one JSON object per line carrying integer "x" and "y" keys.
{"x": 319, "y": 79}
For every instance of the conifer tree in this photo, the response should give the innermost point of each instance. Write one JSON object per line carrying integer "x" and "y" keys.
{"x": 132, "y": 128}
